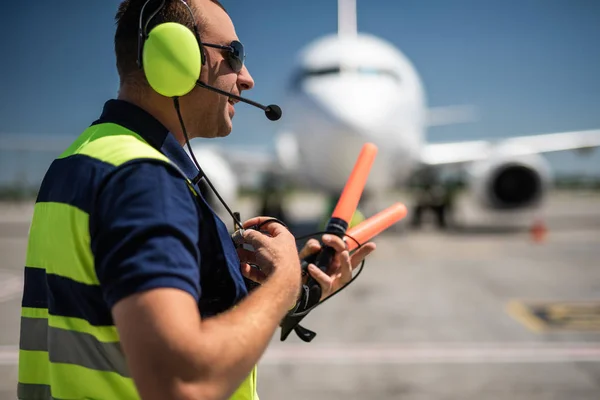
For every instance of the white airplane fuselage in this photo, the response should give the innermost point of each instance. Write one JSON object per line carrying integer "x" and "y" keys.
{"x": 349, "y": 91}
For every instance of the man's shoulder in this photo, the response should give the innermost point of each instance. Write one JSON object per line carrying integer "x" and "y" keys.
{"x": 146, "y": 182}
{"x": 79, "y": 177}
{"x": 72, "y": 180}
{"x": 114, "y": 144}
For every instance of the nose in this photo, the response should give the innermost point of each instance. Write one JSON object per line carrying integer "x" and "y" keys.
{"x": 245, "y": 80}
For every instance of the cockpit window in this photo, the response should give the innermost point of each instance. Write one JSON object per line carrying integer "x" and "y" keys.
{"x": 308, "y": 73}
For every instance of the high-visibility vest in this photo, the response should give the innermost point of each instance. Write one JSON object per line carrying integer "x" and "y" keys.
{"x": 67, "y": 356}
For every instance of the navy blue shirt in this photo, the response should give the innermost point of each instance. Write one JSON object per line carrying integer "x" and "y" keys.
{"x": 148, "y": 230}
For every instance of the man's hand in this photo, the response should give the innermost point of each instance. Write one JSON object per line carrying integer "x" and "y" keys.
{"x": 340, "y": 270}
{"x": 274, "y": 250}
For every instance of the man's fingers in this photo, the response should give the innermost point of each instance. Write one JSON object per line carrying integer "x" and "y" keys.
{"x": 255, "y": 238}
{"x": 361, "y": 253}
{"x": 311, "y": 247}
{"x": 335, "y": 265}
{"x": 335, "y": 242}
{"x": 255, "y": 221}
{"x": 274, "y": 228}
{"x": 246, "y": 256}
{"x": 252, "y": 273}
{"x": 345, "y": 266}
{"x": 321, "y": 277}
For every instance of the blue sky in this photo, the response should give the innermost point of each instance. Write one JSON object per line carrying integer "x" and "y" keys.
{"x": 529, "y": 66}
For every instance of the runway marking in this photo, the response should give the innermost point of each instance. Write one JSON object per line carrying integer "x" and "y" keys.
{"x": 408, "y": 354}
{"x": 15, "y": 219}
{"x": 467, "y": 353}
{"x": 554, "y": 316}
{"x": 10, "y": 287}
{"x": 9, "y": 355}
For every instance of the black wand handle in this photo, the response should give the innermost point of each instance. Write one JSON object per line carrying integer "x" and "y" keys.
{"x": 311, "y": 290}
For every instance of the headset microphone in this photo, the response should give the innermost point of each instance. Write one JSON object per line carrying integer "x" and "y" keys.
{"x": 273, "y": 112}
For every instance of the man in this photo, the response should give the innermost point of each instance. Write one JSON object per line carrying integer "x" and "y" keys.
{"x": 133, "y": 286}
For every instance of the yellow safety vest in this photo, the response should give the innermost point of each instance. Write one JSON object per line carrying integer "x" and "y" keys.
{"x": 61, "y": 356}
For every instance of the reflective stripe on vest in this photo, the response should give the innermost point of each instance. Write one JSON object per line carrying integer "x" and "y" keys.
{"x": 63, "y": 357}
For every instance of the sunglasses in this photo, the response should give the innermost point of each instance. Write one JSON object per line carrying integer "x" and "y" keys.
{"x": 235, "y": 54}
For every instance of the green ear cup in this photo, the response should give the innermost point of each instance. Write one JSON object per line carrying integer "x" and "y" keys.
{"x": 171, "y": 59}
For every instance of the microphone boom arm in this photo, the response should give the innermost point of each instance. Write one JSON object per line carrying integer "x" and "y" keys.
{"x": 273, "y": 112}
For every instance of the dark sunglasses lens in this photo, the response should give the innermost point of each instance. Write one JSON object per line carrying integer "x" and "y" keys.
{"x": 237, "y": 56}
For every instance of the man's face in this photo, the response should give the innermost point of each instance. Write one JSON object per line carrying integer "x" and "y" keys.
{"x": 214, "y": 112}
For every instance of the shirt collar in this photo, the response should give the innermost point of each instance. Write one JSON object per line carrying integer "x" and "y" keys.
{"x": 136, "y": 119}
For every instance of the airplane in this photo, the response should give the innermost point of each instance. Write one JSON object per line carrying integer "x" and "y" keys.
{"x": 350, "y": 88}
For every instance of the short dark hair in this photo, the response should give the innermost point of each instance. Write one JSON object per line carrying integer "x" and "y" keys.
{"x": 127, "y": 20}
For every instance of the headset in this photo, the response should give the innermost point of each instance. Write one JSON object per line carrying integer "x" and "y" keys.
{"x": 172, "y": 56}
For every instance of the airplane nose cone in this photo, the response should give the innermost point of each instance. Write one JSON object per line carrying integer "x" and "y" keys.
{"x": 362, "y": 104}
{"x": 333, "y": 118}
{"x": 325, "y": 151}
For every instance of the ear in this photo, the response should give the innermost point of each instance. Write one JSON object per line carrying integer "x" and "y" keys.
{"x": 171, "y": 59}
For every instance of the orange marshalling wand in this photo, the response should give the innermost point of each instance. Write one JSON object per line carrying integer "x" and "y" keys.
{"x": 348, "y": 201}
{"x": 376, "y": 224}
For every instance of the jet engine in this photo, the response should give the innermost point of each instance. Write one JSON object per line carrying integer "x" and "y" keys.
{"x": 511, "y": 179}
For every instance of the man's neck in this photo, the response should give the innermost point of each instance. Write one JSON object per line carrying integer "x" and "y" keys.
{"x": 158, "y": 107}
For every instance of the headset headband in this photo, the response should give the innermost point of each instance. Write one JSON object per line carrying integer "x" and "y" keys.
{"x": 143, "y": 32}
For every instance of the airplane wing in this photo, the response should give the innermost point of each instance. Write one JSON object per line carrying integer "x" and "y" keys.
{"x": 451, "y": 115}
{"x": 248, "y": 163}
{"x": 246, "y": 158}
{"x": 35, "y": 142}
{"x": 240, "y": 157}
{"x": 467, "y": 151}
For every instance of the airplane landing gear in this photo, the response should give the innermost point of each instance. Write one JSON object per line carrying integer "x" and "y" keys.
{"x": 440, "y": 212}
{"x": 436, "y": 196}
{"x": 272, "y": 198}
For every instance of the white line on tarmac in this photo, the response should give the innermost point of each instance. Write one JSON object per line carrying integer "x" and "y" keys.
{"x": 444, "y": 353}
{"x": 9, "y": 355}
{"x": 408, "y": 354}
{"x": 10, "y": 287}
{"x": 17, "y": 217}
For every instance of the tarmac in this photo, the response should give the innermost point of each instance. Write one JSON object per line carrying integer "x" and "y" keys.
{"x": 470, "y": 314}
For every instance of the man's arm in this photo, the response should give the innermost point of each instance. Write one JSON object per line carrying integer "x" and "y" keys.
{"x": 174, "y": 354}
{"x": 144, "y": 235}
